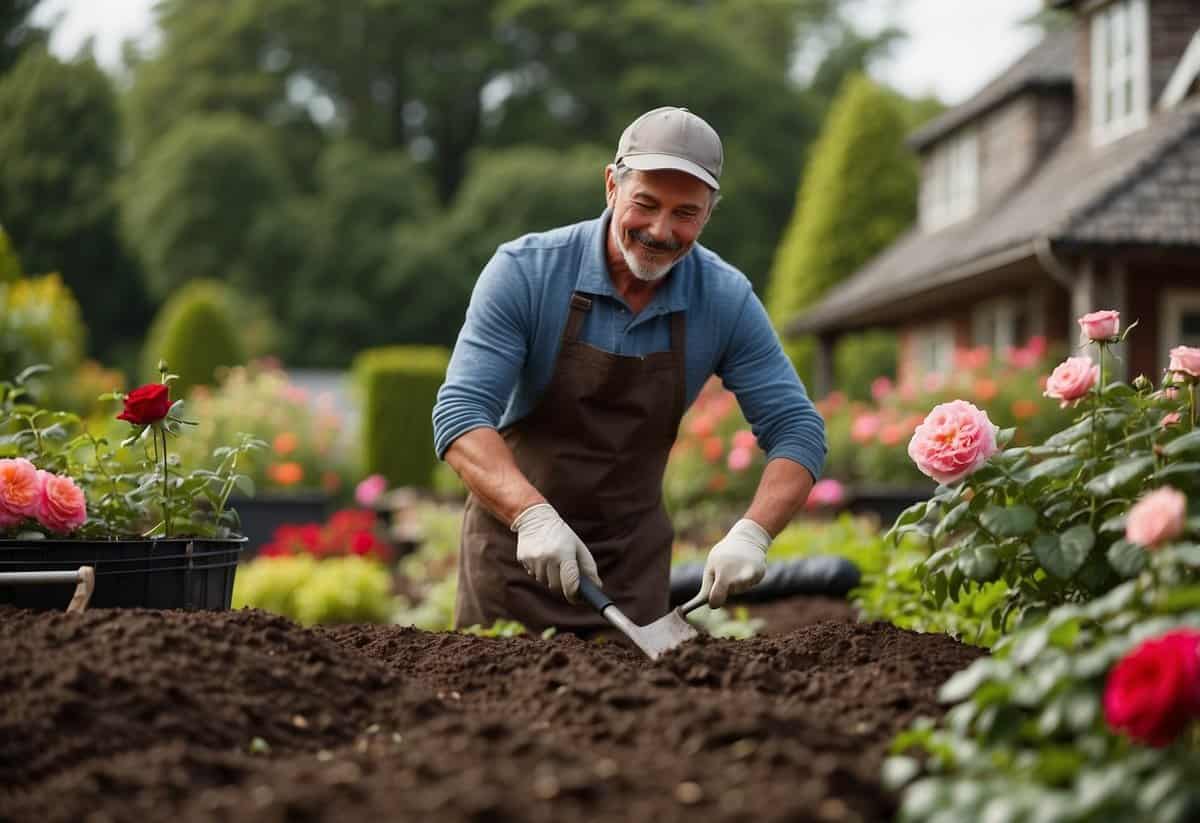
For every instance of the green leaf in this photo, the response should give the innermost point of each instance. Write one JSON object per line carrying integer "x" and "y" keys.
{"x": 1177, "y": 468}
{"x": 951, "y": 520}
{"x": 244, "y": 483}
{"x": 1120, "y": 475}
{"x": 1061, "y": 560}
{"x": 1181, "y": 598}
{"x": 1126, "y": 558}
{"x": 1182, "y": 444}
{"x": 1011, "y": 521}
{"x": 1070, "y": 434}
{"x": 1113, "y": 524}
{"x": 979, "y": 562}
{"x": 1004, "y": 437}
{"x": 1056, "y": 467}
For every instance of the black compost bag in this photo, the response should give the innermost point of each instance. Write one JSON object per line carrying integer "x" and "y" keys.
{"x": 827, "y": 575}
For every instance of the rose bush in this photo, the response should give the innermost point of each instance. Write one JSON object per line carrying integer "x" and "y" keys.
{"x": 1153, "y": 693}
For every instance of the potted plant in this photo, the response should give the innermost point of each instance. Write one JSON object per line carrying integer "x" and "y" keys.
{"x": 158, "y": 534}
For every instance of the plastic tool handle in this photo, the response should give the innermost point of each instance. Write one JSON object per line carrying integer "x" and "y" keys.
{"x": 593, "y": 596}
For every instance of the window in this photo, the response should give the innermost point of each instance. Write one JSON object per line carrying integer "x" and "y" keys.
{"x": 951, "y": 188}
{"x": 933, "y": 348}
{"x": 1179, "y": 313}
{"x": 1006, "y": 321}
{"x": 1120, "y": 93}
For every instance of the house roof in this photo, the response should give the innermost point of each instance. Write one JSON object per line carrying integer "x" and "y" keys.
{"x": 1137, "y": 190}
{"x": 1048, "y": 65}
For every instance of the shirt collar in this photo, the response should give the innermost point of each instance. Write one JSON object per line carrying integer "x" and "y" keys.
{"x": 594, "y": 278}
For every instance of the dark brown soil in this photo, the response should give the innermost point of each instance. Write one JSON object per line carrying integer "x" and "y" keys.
{"x": 142, "y": 716}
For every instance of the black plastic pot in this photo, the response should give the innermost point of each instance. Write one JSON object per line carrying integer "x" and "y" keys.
{"x": 885, "y": 502}
{"x": 263, "y": 514}
{"x": 179, "y": 573}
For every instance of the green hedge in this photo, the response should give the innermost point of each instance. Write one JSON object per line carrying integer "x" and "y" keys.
{"x": 399, "y": 385}
{"x": 195, "y": 334}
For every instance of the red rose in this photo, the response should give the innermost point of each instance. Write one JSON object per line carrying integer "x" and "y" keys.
{"x": 1153, "y": 692}
{"x": 147, "y": 404}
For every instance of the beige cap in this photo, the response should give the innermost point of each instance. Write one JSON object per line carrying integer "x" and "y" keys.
{"x": 673, "y": 138}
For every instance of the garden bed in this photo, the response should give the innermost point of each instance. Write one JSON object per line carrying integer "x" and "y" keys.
{"x": 137, "y": 715}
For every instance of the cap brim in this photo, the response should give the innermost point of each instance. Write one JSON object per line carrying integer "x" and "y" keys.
{"x": 658, "y": 162}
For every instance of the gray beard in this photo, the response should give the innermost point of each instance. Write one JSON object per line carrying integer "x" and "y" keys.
{"x": 641, "y": 272}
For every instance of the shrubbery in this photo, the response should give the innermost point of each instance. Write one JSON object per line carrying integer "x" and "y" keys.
{"x": 40, "y": 324}
{"x": 398, "y": 386}
{"x": 195, "y": 332}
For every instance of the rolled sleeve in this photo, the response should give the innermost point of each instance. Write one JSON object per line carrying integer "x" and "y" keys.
{"x": 772, "y": 397}
{"x": 488, "y": 355}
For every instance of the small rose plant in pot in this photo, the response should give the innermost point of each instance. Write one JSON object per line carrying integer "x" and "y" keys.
{"x": 60, "y": 479}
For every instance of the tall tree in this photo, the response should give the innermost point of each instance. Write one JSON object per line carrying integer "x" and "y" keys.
{"x": 59, "y": 136}
{"x": 859, "y": 193}
{"x": 17, "y": 32}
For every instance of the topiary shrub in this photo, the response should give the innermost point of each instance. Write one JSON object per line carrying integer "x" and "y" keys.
{"x": 10, "y": 264}
{"x": 399, "y": 385}
{"x": 195, "y": 334}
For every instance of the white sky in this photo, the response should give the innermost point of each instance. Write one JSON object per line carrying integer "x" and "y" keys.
{"x": 954, "y": 47}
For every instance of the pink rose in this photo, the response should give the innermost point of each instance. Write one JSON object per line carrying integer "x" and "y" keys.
{"x": 954, "y": 440}
{"x": 1185, "y": 360}
{"x": 744, "y": 439}
{"x": 1100, "y": 325}
{"x": 369, "y": 489}
{"x": 1170, "y": 419}
{"x": 1159, "y": 516}
{"x": 864, "y": 428}
{"x": 1071, "y": 380}
{"x": 1153, "y": 692}
{"x": 881, "y": 387}
{"x": 63, "y": 507}
{"x": 826, "y": 492}
{"x": 20, "y": 490}
{"x": 739, "y": 459}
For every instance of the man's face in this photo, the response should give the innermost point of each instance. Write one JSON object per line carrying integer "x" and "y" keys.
{"x": 656, "y": 218}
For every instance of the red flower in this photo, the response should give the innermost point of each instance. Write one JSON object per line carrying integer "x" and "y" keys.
{"x": 147, "y": 404}
{"x": 1153, "y": 692}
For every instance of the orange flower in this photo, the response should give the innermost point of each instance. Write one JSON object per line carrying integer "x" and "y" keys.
{"x": 718, "y": 482}
{"x": 331, "y": 481}
{"x": 713, "y": 449}
{"x": 985, "y": 389}
{"x": 285, "y": 443}
{"x": 286, "y": 474}
{"x": 1024, "y": 408}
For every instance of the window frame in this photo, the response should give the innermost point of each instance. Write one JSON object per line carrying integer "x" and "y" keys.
{"x": 1172, "y": 304}
{"x": 938, "y": 340}
{"x": 950, "y": 191}
{"x": 1127, "y": 78}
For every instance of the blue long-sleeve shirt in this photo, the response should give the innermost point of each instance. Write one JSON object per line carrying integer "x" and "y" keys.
{"x": 506, "y": 350}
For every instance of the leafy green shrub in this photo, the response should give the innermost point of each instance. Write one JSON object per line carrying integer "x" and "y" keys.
{"x": 1049, "y": 519}
{"x": 1030, "y": 739}
{"x": 40, "y": 324}
{"x": 347, "y": 589}
{"x": 303, "y": 435}
{"x": 195, "y": 333}
{"x": 399, "y": 385}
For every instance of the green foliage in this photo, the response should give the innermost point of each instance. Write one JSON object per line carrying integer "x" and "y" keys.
{"x": 860, "y": 359}
{"x": 335, "y": 590}
{"x": 1048, "y": 518}
{"x": 17, "y": 32}
{"x": 859, "y": 192}
{"x": 10, "y": 264}
{"x": 40, "y": 324}
{"x": 198, "y": 204}
{"x": 399, "y": 386}
{"x": 195, "y": 333}
{"x": 59, "y": 137}
{"x": 1028, "y": 738}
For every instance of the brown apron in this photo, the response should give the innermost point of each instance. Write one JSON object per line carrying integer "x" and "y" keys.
{"x": 595, "y": 446}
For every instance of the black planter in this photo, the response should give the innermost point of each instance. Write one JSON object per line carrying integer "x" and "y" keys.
{"x": 176, "y": 573}
{"x": 263, "y": 514}
{"x": 885, "y": 502}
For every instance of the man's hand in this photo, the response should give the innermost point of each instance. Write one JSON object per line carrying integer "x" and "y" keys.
{"x": 551, "y": 551}
{"x": 736, "y": 563}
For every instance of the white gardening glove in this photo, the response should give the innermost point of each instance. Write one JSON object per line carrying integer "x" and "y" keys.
{"x": 736, "y": 563}
{"x": 551, "y": 551}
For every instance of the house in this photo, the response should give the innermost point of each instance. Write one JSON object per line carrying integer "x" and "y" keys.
{"x": 1069, "y": 183}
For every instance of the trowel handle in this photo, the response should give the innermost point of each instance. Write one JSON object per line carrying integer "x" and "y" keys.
{"x": 593, "y": 596}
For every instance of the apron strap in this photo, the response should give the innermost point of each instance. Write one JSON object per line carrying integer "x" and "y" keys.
{"x": 679, "y": 349}
{"x": 580, "y": 306}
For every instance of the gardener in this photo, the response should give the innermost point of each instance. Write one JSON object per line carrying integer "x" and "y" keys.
{"x": 582, "y": 348}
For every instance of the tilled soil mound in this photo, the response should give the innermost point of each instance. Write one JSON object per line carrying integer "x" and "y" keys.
{"x": 142, "y": 716}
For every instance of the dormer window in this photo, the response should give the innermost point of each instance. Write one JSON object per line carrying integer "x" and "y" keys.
{"x": 951, "y": 188}
{"x": 1120, "y": 92}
